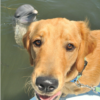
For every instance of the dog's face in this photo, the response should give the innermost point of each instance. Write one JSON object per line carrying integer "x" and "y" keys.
{"x": 55, "y": 47}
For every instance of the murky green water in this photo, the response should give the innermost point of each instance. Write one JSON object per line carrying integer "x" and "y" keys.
{"x": 15, "y": 67}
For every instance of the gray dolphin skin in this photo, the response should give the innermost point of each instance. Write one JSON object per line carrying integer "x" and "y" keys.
{"x": 23, "y": 17}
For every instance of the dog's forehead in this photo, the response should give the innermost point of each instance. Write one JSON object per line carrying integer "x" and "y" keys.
{"x": 59, "y": 27}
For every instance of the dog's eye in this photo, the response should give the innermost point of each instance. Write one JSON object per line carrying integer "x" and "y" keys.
{"x": 70, "y": 47}
{"x": 37, "y": 43}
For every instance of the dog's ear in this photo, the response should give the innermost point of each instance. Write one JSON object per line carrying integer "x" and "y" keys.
{"x": 88, "y": 44}
{"x": 27, "y": 45}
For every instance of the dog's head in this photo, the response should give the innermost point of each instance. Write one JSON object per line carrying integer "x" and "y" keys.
{"x": 56, "y": 46}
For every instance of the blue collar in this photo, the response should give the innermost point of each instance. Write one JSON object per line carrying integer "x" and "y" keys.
{"x": 80, "y": 74}
{"x": 95, "y": 89}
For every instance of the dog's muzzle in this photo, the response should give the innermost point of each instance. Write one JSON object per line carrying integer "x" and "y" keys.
{"x": 46, "y": 84}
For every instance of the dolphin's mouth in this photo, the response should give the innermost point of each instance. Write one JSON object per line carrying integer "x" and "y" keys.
{"x": 26, "y": 19}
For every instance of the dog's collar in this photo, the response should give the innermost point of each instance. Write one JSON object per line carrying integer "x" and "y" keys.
{"x": 80, "y": 73}
{"x": 85, "y": 64}
{"x": 95, "y": 88}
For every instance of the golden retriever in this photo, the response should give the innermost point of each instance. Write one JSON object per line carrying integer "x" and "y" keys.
{"x": 57, "y": 48}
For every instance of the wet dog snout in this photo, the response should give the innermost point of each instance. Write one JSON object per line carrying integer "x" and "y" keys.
{"x": 46, "y": 84}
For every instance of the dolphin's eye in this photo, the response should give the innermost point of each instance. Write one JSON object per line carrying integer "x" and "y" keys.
{"x": 17, "y": 16}
{"x": 30, "y": 13}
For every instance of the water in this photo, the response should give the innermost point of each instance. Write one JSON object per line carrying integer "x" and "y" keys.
{"x": 15, "y": 67}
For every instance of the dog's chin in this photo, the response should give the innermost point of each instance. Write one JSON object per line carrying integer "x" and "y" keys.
{"x": 45, "y": 97}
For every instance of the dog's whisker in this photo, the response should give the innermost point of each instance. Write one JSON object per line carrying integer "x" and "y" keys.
{"x": 28, "y": 87}
{"x": 27, "y": 76}
{"x": 25, "y": 68}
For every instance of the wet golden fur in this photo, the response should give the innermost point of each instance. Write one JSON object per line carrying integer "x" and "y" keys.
{"x": 52, "y": 59}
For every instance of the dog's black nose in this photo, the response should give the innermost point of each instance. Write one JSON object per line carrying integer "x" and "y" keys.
{"x": 46, "y": 84}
